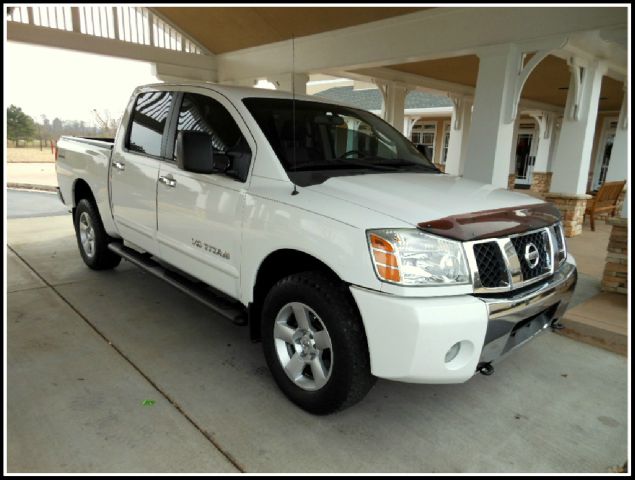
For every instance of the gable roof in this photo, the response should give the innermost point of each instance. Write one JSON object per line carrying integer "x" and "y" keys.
{"x": 370, "y": 99}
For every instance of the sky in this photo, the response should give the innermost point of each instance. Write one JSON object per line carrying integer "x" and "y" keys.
{"x": 69, "y": 85}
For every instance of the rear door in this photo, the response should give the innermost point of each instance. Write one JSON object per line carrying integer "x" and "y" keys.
{"x": 200, "y": 215}
{"x": 135, "y": 169}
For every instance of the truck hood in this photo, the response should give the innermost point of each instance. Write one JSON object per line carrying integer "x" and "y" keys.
{"x": 420, "y": 197}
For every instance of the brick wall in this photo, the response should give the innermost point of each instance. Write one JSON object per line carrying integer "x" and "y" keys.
{"x": 572, "y": 209}
{"x": 541, "y": 182}
{"x": 511, "y": 181}
{"x": 615, "y": 278}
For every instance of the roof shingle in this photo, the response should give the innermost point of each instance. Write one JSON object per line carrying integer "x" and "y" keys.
{"x": 370, "y": 99}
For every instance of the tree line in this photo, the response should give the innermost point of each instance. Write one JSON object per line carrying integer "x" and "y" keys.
{"x": 21, "y": 126}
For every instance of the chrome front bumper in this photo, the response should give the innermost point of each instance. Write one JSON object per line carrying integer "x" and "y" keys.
{"x": 515, "y": 320}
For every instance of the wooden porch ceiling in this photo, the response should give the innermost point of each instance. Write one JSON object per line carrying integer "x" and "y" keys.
{"x": 225, "y": 29}
{"x": 548, "y": 82}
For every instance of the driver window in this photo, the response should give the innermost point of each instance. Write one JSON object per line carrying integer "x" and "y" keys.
{"x": 200, "y": 113}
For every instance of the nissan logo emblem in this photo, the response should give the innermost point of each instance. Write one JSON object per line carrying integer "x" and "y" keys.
{"x": 532, "y": 257}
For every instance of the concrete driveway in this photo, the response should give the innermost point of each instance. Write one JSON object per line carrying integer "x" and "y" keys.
{"x": 87, "y": 349}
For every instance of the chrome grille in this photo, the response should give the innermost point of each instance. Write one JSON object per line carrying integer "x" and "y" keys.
{"x": 491, "y": 266}
{"x": 504, "y": 264}
{"x": 540, "y": 240}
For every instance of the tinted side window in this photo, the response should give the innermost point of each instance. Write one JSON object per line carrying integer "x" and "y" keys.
{"x": 204, "y": 114}
{"x": 148, "y": 121}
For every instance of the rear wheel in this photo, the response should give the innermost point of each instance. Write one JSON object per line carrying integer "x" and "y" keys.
{"x": 92, "y": 239}
{"x": 314, "y": 343}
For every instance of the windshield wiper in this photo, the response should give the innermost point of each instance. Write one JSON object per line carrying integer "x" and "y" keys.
{"x": 403, "y": 163}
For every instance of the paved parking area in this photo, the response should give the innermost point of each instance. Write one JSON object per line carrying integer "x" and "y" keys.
{"x": 28, "y": 203}
{"x": 86, "y": 349}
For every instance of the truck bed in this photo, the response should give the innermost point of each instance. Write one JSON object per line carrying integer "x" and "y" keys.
{"x": 96, "y": 141}
{"x": 85, "y": 160}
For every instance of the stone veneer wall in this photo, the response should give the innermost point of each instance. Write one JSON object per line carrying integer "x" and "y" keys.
{"x": 511, "y": 181}
{"x": 572, "y": 209}
{"x": 541, "y": 182}
{"x": 615, "y": 278}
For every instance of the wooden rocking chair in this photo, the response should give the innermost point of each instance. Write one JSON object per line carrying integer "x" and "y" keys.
{"x": 604, "y": 201}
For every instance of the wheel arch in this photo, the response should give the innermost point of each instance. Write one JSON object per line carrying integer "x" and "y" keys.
{"x": 82, "y": 190}
{"x": 275, "y": 266}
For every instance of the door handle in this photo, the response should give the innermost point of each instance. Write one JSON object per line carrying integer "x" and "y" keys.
{"x": 168, "y": 181}
{"x": 119, "y": 165}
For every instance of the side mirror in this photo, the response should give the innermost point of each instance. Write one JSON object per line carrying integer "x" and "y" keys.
{"x": 195, "y": 152}
{"x": 221, "y": 163}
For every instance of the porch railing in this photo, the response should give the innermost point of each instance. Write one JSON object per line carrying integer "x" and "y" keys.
{"x": 136, "y": 25}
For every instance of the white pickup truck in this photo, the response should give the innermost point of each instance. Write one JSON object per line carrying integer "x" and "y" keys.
{"x": 318, "y": 225}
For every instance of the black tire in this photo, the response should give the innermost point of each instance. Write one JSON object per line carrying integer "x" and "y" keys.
{"x": 349, "y": 379}
{"x": 100, "y": 258}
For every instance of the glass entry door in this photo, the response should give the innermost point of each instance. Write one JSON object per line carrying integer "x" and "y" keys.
{"x": 604, "y": 154}
{"x": 524, "y": 160}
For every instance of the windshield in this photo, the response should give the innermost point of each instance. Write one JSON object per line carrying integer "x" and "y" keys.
{"x": 331, "y": 140}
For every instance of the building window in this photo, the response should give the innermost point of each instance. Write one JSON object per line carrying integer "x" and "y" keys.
{"x": 424, "y": 134}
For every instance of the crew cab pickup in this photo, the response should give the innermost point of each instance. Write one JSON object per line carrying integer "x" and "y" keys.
{"x": 318, "y": 225}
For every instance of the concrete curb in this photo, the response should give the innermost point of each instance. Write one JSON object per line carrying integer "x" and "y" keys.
{"x": 32, "y": 186}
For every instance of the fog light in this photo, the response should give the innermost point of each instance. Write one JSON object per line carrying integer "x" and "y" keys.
{"x": 453, "y": 352}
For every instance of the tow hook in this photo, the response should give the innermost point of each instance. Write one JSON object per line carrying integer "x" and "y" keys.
{"x": 485, "y": 368}
{"x": 556, "y": 325}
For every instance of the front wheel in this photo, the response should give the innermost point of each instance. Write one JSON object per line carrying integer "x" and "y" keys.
{"x": 314, "y": 343}
{"x": 92, "y": 239}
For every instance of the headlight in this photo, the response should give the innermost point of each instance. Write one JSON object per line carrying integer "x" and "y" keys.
{"x": 411, "y": 257}
{"x": 559, "y": 243}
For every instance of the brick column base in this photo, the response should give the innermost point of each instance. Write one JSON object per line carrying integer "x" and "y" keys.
{"x": 572, "y": 209}
{"x": 616, "y": 268}
{"x": 541, "y": 182}
{"x": 511, "y": 181}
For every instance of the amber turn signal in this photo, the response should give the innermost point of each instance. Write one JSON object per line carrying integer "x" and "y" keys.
{"x": 384, "y": 258}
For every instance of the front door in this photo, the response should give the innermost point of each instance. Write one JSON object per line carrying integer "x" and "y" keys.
{"x": 135, "y": 169}
{"x": 200, "y": 215}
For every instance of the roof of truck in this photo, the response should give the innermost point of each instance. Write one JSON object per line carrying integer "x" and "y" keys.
{"x": 238, "y": 93}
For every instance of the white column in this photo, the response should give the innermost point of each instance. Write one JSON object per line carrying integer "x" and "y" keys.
{"x": 490, "y": 138}
{"x": 459, "y": 130}
{"x": 290, "y": 81}
{"x": 351, "y": 124}
{"x": 553, "y": 151}
{"x": 571, "y": 166}
{"x": 244, "y": 82}
{"x": 394, "y": 104}
{"x": 545, "y": 122}
{"x": 176, "y": 73}
{"x": 618, "y": 164}
{"x": 408, "y": 123}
